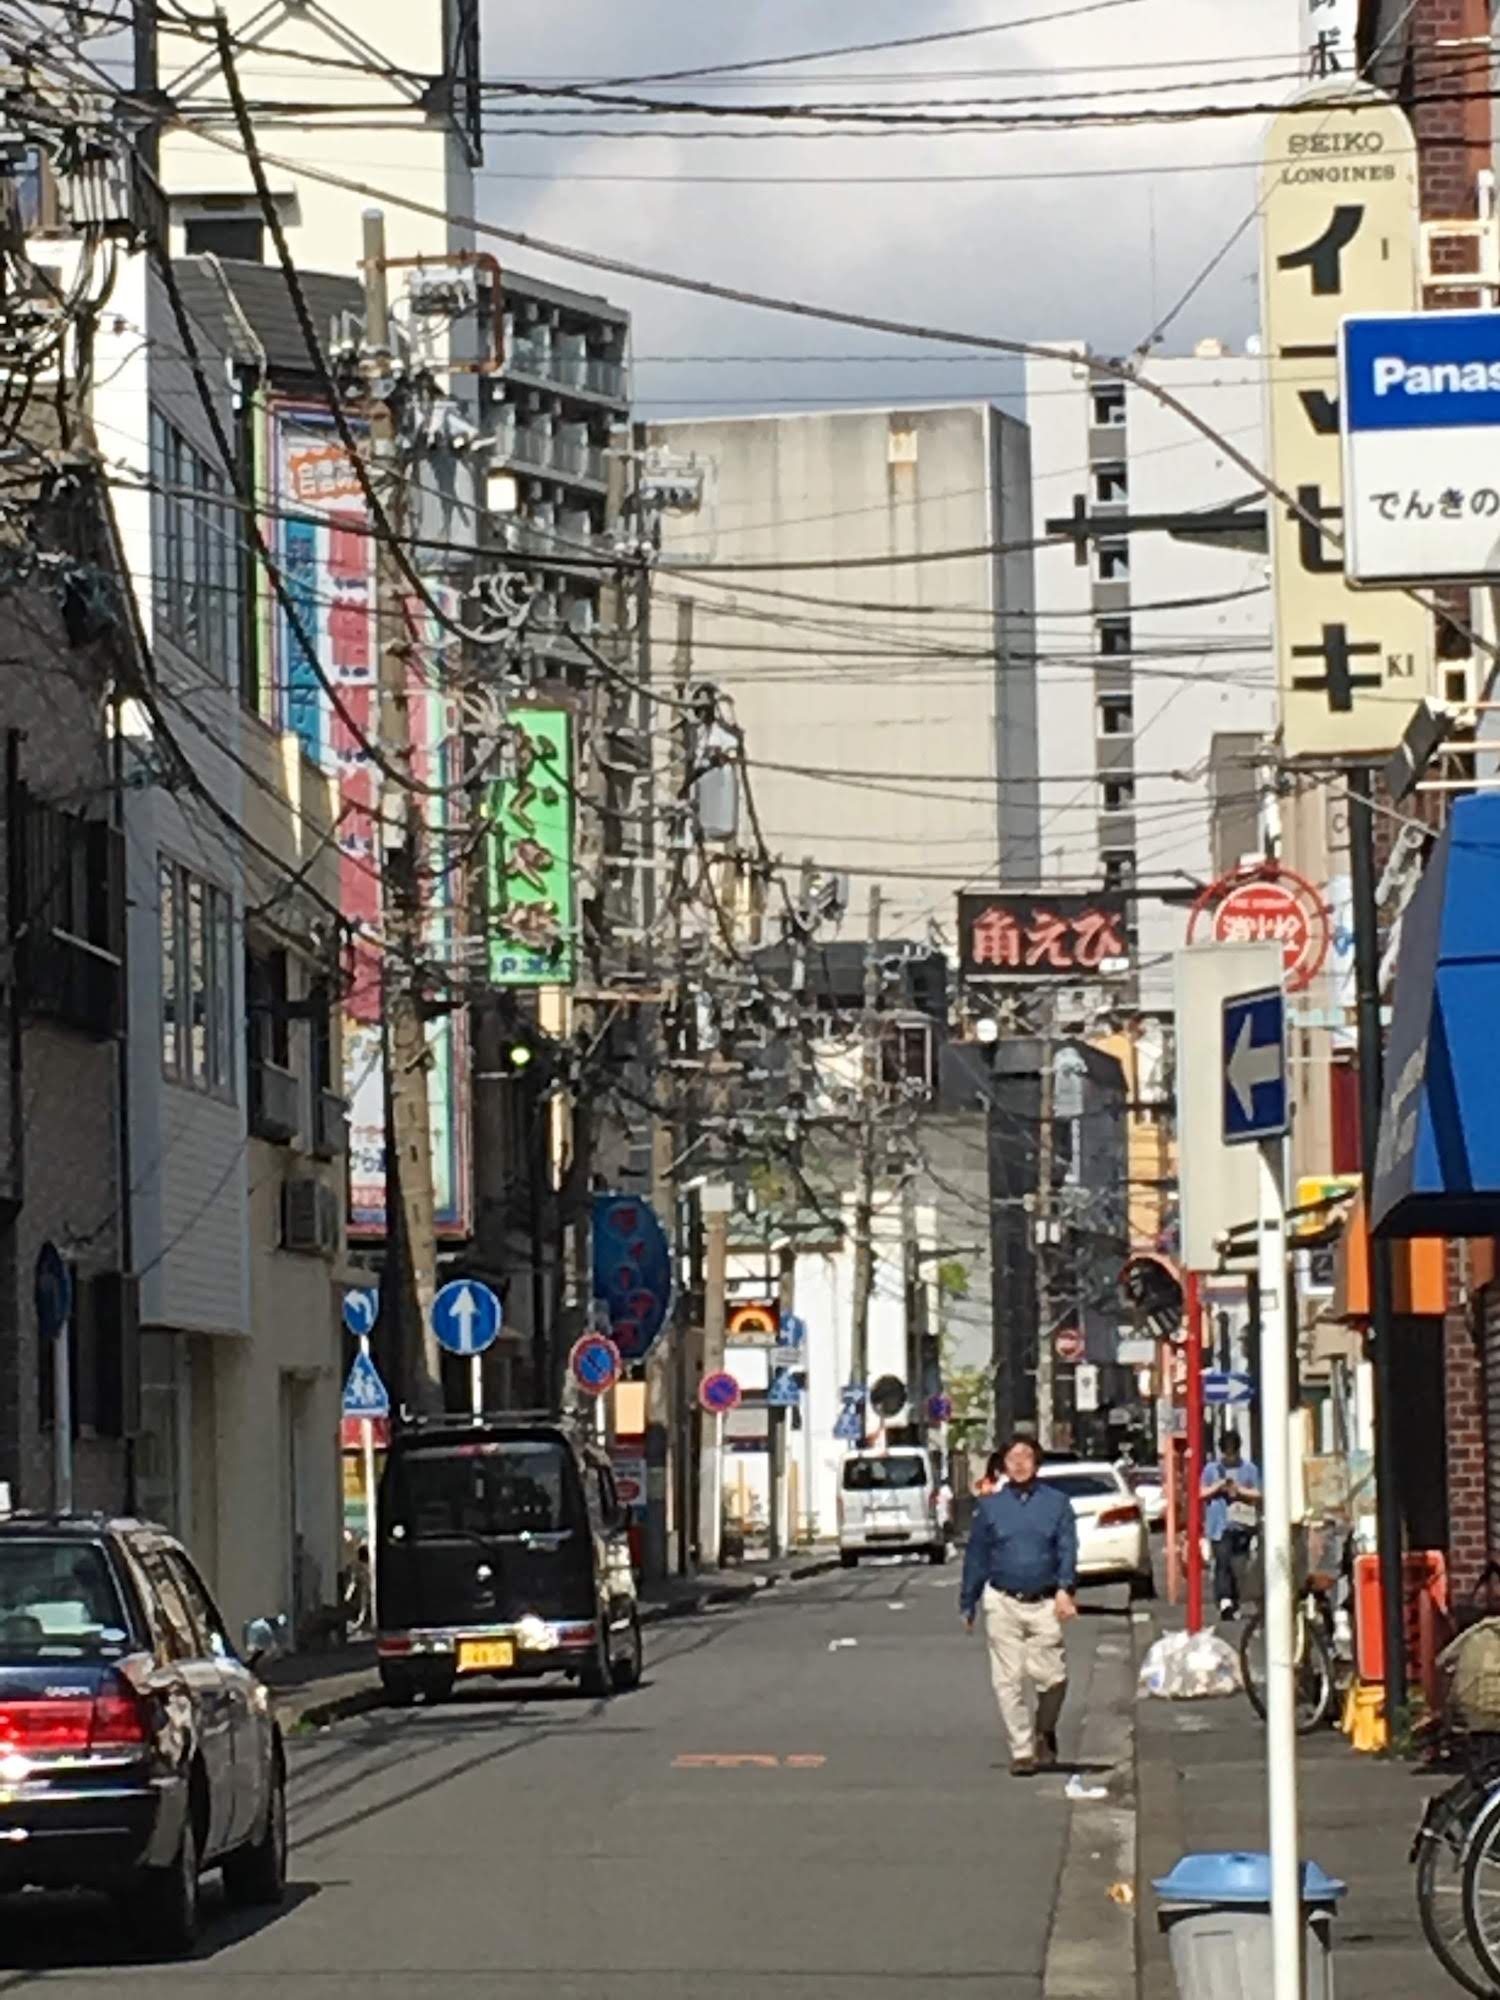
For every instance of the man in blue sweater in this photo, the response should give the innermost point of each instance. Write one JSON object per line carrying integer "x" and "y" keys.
{"x": 1022, "y": 1565}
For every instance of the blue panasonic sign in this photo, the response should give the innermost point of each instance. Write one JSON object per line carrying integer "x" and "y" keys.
{"x": 1422, "y": 371}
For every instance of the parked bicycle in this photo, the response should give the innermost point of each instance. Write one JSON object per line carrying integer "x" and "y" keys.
{"x": 1322, "y": 1666}
{"x": 1441, "y": 1852}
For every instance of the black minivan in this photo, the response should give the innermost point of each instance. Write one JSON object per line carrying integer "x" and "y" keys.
{"x": 502, "y": 1551}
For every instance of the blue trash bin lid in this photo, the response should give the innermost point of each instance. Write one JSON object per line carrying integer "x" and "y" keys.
{"x": 1238, "y": 1878}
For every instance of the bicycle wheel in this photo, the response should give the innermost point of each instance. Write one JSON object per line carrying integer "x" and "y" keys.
{"x": 1481, "y": 1889}
{"x": 1440, "y": 1852}
{"x": 1312, "y": 1664}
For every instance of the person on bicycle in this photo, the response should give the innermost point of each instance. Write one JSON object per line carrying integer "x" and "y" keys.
{"x": 1232, "y": 1488}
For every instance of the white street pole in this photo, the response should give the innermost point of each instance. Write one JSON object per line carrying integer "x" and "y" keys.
{"x": 367, "y": 1443}
{"x": 476, "y": 1387}
{"x": 718, "y": 1514}
{"x": 1280, "y": 1582}
{"x": 62, "y": 1421}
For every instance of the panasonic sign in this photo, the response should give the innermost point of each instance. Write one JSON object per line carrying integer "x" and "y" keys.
{"x": 1419, "y": 414}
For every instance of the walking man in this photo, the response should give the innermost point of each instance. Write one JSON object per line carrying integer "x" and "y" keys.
{"x": 1231, "y": 1486}
{"x": 1021, "y": 1565}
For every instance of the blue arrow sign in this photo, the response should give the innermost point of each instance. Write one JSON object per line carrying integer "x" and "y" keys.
{"x": 465, "y": 1316}
{"x": 361, "y": 1309}
{"x": 1223, "y": 1389}
{"x": 52, "y": 1291}
{"x": 793, "y": 1331}
{"x": 1255, "y": 1085}
{"x": 785, "y": 1392}
{"x": 364, "y": 1392}
{"x": 850, "y": 1428}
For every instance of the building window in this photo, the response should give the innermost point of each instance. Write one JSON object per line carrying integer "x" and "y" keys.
{"x": 71, "y": 928}
{"x": 1116, "y": 714}
{"x": 1111, "y": 484}
{"x": 1109, "y": 403}
{"x": 196, "y": 923}
{"x": 195, "y": 557}
{"x": 239, "y": 236}
{"x": 1117, "y": 794}
{"x": 1115, "y": 637}
{"x": 1119, "y": 867}
{"x": 1112, "y": 561}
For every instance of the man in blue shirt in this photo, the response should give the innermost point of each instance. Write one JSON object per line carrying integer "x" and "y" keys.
{"x": 1022, "y": 1565}
{"x": 1231, "y": 1486}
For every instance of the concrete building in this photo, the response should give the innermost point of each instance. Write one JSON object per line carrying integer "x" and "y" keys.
{"x": 1149, "y": 646}
{"x": 236, "y": 1139}
{"x": 876, "y": 642}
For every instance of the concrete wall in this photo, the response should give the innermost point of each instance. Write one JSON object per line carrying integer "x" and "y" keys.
{"x": 898, "y": 691}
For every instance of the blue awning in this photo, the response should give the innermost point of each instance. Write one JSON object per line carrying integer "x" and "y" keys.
{"x": 1437, "y": 1169}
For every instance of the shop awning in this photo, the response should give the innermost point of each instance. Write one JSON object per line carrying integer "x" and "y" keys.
{"x": 1438, "y": 1166}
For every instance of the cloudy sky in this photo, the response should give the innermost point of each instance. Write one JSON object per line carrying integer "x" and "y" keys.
{"x": 1091, "y": 233}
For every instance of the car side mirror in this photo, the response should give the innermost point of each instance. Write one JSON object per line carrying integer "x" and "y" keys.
{"x": 263, "y": 1639}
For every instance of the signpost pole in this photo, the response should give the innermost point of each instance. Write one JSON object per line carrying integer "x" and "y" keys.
{"x": 367, "y": 1446}
{"x": 718, "y": 1478}
{"x": 1193, "y": 1331}
{"x": 62, "y": 1418}
{"x": 1170, "y": 1462}
{"x": 1280, "y": 1584}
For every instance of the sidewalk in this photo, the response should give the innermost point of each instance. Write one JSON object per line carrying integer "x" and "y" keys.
{"x": 318, "y": 1687}
{"x": 1201, "y": 1779}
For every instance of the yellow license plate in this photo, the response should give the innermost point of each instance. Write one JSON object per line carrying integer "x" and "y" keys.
{"x": 485, "y": 1656}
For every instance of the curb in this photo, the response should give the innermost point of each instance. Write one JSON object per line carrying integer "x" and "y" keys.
{"x": 368, "y": 1695}
{"x": 1158, "y": 1832}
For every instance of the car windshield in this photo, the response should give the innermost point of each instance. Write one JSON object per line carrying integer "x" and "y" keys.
{"x": 58, "y": 1601}
{"x": 513, "y": 1488}
{"x": 1082, "y": 1485}
{"x": 891, "y": 1471}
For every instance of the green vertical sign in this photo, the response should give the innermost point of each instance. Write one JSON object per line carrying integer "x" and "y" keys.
{"x": 530, "y": 855}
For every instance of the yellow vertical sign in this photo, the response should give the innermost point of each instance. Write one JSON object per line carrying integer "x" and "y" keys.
{"x": 1339, "y": 235}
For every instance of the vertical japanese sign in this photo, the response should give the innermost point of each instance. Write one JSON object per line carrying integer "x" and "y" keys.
{"x": 1327, "y": 39}
{"x": 320, "y": 531}
{"x": 530, "y": 855}
{"x": 1339, "y": 219}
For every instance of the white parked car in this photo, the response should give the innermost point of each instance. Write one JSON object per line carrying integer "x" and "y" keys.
{"x": 1145, "y": 1482}
{"x": 1113, "y": 1543}
{"x": 890, "y": 1501}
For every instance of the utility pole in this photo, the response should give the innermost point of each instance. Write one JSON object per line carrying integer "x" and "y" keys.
{"x": 869, "y": 1104}
{"x": 717, "y": 1200}
{"x": 1043, "y": 1224}
{"x": 411, "y": 1246}
{"x": 1382, "y": 1301}
{"x": 146, "y": 80}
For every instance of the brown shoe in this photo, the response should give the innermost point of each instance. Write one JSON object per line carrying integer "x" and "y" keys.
{"x": 1023, "y": 1767}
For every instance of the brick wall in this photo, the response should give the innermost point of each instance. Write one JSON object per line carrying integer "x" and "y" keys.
{"x": 1468, "y": 1491}
{"x": 1453, "y": 136}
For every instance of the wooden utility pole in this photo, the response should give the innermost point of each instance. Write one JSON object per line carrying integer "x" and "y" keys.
{"x": 411, "y": 1243}
{"x": 869, "y": 1136}
{"x": 1043, "y": 1225}
{"x": 714, "y": 1206}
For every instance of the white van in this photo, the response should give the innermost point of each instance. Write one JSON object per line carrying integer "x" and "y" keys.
{"x": 890, "y": 1500}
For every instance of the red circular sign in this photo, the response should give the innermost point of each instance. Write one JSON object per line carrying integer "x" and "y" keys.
{"x": 1070, "y": 1344}
{"x": 1267, "y": 904}
{"x": 719, "y": 1393}
{"x": 594, "y": 1364}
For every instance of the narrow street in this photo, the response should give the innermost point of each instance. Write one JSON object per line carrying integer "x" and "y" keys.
{"x": 542, "y": 1845}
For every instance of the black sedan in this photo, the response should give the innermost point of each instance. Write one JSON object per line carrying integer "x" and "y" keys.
{"x": 137, "y": 1747}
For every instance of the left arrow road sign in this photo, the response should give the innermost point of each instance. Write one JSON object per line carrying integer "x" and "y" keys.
{"x": 1256, "y": 1103}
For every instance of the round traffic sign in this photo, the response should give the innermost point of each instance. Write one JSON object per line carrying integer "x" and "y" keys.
{"x": 465, "y": 1316}
{"x": 594, "y": 1363}
{"x": 718, "y": 1393}
{"x": 361, "y": 1309}
{"x": 888, "y": 1397}
{"x": 1265, "y": 903}
{"x": 1070, "y": 1344}
{"x": 52, "y": 1289}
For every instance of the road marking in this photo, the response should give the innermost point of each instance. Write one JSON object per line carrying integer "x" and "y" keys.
{"x": 836, "y": 1645}
{"x": 742, "y": 1760}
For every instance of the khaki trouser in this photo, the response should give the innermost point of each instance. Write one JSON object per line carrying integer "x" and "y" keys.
{"x": 1026, "y": 1644}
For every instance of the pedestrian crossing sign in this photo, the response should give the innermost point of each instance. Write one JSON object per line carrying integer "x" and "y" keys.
{"x": 364, "y": 1393}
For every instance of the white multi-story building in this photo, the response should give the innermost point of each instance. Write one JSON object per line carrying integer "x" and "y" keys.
{"x": 1149, "y": 646}
{"x": 867, "y": 607}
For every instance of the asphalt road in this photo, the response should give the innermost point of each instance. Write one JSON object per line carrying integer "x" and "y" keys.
{"x": 526, "y": 1845}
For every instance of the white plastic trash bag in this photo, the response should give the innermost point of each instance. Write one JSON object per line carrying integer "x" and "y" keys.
{"x": 1190, "y": 1666}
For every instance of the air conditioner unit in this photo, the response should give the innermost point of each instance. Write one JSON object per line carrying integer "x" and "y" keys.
{"x": 309, "y": 1217}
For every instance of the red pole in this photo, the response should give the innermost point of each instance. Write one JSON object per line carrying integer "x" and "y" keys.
{"x": 1193, "y": 1327}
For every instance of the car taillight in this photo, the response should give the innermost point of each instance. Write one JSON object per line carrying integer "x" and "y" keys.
{"x": 119, "y": 1718}
{"x": 1118, "y": 1517}
{"x": 41, "y": 1727}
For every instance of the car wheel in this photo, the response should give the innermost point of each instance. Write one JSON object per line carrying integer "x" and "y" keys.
{"x": 164, "y": 1913}
{"x": 1142, "y": 1587}
{"x": 594, "y": 1677}
{"x": 398, "y": 1686}
{"x": 848, "y": 1559}
{"x": 256, "y": 1873}
{"x": 625, "y": 1674}
{"x": 938, "y": 1554}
